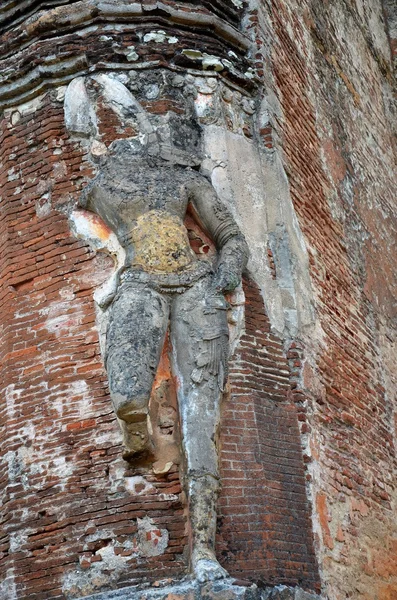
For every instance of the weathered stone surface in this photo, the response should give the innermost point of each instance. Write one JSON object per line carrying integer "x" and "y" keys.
{"x": 99, "y": 23}
{"x": 223, "y": 590}
{"x": 70, "y": 504}
{"x": 80, "y": 117}
{"x": 142, "y": 195}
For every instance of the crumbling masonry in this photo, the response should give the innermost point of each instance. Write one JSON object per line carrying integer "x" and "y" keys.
{"x": 197, "y": 300}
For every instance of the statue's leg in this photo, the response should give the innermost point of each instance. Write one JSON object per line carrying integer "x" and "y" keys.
{"x": 199, "y": 336}
{"x": 134, "y": 340}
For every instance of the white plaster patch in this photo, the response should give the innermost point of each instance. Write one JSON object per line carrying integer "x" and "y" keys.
{"x": 61, "y": 468}
{"x": 98, "y": 148}
{"x": 204, "y": 104}
{"x": 159, "y": 37}
{"x": 37, "y": 468}
{"x": 43, "y": 186}
{"x": 100, "y": 574}
{"x": 94, "y": 231}
{"x": 132, "y": 55}
{"x": 288, "y": 299}
{"x": 8, "y": 588}
{"x": 43, "y": 205}
{"x": 80, "y": 388}
{"x": 58, "y": 321}
{"x": 57, "y": 324}
{"x": 27, "y": 432}
{"x": 14, "y": 465}
{"x": 236, "y": 318}
{"x": 15, "y": 117}
{"x": 192, "y": 53}
{"x": 101, "y": 534}
{"x": 92, "y": 577}
{"x": 152, "y": 91}
{"x": 11, "y": 395}
{"x": 27, "y": 107}
{"x": 206, "y": 85}
{"x": 208, "y": 61}
{"x": 61, "y": 91}
{"x": 212, "y": 62}
{"x": 80, "y": 117}
{"x": 152, "y": 540}
{"x": 12, "y": 175}
{"x": 168, "y": 496}
{"x": 59, "y": 170}
{"x": 138, "y": 486}
{"x": 250, "y": 73}
{"x": 116, "y": 475}
{"x": 67, "y": 293}
{"x": 17, "y": 540}
{"x": 109, "y": 437}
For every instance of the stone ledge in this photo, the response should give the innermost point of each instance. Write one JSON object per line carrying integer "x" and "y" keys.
{"x": 74, "y": 28}
{"x": 192, "y": 590}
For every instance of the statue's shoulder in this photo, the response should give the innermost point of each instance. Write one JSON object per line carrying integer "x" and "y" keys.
{"x": 194, "y": 177}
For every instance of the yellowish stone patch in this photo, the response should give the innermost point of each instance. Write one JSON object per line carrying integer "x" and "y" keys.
{"x": 161, "y": 243}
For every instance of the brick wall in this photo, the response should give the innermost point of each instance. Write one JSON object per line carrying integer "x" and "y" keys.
{"x": 331, "y": 76}
{"x": 76, "y": 519}
{"x": 67, "y": 497}
{"x": 72, "y": 512}
{"x": 265, "y": 530}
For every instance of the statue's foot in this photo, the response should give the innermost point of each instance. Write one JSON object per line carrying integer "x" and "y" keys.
{"x": 138, "y": 458}
{"x": 209, "y": 570}
{"x": 205, "y": 567}
{"x": 136, "y": 442}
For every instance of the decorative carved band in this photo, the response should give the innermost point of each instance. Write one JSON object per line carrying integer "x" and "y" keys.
{"x": 53, "y": 46}
{"x": 13, "y": 12}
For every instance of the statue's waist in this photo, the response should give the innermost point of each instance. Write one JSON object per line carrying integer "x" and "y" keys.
{"x": 159, "y": 243}
{"x": 168, "y": 282}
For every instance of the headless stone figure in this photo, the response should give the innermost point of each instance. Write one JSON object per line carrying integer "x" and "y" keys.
{"x": 144, "y": 201}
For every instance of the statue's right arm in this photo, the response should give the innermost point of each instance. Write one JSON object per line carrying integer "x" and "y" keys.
{"x": 107, "y": 241}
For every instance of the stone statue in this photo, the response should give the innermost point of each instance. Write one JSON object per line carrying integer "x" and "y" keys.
{"x": 142, "y": 192}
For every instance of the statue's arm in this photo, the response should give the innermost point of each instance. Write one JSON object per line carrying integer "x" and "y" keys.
{"x": 101, "y": 237}
{"x": 218, "y": 221}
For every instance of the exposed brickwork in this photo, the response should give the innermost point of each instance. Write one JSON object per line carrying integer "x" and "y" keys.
{"x": 332, "y": 74}
{"x": 66, "y": 492}
{"x": 265, "y": 532}
{"x": 69, "y": 504}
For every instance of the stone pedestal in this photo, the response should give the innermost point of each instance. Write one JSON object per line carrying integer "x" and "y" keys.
{"x": 218, "y": 590}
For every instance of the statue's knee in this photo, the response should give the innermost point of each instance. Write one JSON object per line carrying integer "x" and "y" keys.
{"x": 130, "y": 414}
{"x": 130, "y": 410}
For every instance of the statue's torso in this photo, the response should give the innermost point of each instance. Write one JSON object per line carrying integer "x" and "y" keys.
{"x": 146, "y": 210}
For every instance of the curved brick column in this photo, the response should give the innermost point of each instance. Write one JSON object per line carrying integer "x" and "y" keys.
{"x": 293, "y": 101}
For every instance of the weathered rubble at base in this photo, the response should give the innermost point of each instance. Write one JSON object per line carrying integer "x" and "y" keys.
{"x": 217, "y": 590}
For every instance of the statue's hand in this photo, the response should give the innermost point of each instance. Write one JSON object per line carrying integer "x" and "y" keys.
{"x": 226, "y": 279}
{"x": 232, "y": 260}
